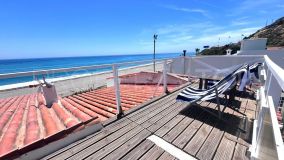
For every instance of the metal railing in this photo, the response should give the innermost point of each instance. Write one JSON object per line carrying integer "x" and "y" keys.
{"x": 115, "y": 68}
{"x": 268, "y": 97}
{"x": 60, "y": 70}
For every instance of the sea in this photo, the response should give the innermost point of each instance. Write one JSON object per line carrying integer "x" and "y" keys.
{"x": 25, "y": 65}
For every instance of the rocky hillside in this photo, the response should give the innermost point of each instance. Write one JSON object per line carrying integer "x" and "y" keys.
{"x": 273, "y": 32}
{"x": 221, "y": 50}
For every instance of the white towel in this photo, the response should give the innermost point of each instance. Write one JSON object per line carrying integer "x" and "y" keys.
{"x": 245, "y": 81}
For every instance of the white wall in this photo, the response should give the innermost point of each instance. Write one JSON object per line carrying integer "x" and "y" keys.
{"x": 277, "y": 56}
{"x": 253, "y": 44}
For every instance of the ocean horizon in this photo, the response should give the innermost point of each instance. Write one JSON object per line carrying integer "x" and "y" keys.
{"x": 33, "y": 64}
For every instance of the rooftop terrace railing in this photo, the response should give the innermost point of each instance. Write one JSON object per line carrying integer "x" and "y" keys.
{"x": 266, "y": 132}
{"x": 60, "y": 70}
{"x": 65, "y": 74}
{"x": 109, "y": 70}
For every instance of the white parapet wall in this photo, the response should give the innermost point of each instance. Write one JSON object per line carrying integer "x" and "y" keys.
{"x": 277, "y": 56}
{"x": 253, "y": 44}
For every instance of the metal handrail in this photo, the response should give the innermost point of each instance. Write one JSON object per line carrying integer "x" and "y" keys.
{"x": 223, "y": 56}
{"x": 275, "y": 127}
{"x": 277, "y": 71}
{"x": 60, "y": 70}
{"x": 267, "y": 105}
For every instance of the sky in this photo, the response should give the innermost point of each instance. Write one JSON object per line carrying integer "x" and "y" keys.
{"x": 64, "y": 28}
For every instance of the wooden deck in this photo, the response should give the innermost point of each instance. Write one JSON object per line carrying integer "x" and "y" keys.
{"x": 187, "y": 127}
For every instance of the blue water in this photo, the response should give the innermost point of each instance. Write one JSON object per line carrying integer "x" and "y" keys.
{"x": 24, "y": 65}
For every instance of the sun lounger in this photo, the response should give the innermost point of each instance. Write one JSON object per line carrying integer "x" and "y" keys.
{"x": 224, "y": 86}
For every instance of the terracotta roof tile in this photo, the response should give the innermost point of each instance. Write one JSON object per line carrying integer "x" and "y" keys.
{"x": 67, "y": 119}
{"x": 26, "y": 122}
{"x": 32, "y": 124}
{"x": 48, "y": 121}
{"x": 125, "y": 106}
{"x": 10, "y": 135}
{"x": 76, "y": 112}
{"x": 83, "y": 109}
{"x": 99, "y": 109}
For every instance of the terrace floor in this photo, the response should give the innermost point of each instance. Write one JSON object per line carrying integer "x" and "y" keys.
{"x": 186, "y": 127}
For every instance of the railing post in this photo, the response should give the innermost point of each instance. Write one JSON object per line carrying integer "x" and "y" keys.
{"x": 165, "y": 76}
{"x": 117, "y": 91}
{"x": 267, "y": 83}
{"x": 183, "y": 64}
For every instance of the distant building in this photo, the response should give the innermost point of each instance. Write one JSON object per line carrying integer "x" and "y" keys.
{"x": 229, "y": 51}
{"x": 253, "y": 44}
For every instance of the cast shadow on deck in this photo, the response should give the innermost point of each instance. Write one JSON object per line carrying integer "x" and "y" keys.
{"x": 234, "y": 121}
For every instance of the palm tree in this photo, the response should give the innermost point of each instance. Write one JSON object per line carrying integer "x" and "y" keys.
{"x": 197, "y": 50}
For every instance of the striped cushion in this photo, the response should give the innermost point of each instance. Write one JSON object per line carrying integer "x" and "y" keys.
{"x": 190, "y": 94}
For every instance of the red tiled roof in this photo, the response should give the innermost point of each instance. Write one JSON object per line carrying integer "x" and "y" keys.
{"x": 27, "y": 123}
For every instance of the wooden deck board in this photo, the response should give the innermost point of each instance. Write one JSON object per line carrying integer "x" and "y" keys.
{"x": 166, "y": 156}
{"x": 189, "y": 132}
{"x": 129, "y": 145}
{"x": 226, "y": 149}
{"x": 139, "y": 151}
{"x": 154, "y": 153}
{"x": 240, "y": 152}
{"x": 90, "y": 147}
{"x": 146, "y": 115}
{"x": 110, "y": 147}
{"x": 152, "y": 107}
{"x": 168, "y": 126}
{"x": 177, "y": 129}
{"x": 199, "y": 138}
{"x": 68, "y": 150}
{"x": 172, "y": 113}
{"x": 209, "y": 147}
{"x": 152, "y": 120}
{"x": 187, "y": 127}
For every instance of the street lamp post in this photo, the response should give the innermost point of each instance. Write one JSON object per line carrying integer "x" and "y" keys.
{"x": 155, "y": 38}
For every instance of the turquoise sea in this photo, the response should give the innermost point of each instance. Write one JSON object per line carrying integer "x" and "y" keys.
{"x": 24, "y": 65}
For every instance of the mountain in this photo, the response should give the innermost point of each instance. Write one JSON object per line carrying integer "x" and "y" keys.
{"x": 273, "y": 32}
{"x": 221, "y": 50}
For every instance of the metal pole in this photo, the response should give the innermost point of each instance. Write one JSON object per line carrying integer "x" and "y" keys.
{"x": 155, "y": 38}
{"x": 154, "y": 54}
{"x": 218, "y": 103}
{"x": 165, "y": 77}
{"x": 117, "y": 91}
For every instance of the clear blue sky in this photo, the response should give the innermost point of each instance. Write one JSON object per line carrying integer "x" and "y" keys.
{"x": 51, "y": 28}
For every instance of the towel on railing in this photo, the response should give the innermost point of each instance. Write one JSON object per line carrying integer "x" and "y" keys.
{"x": 250, "y": 75}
